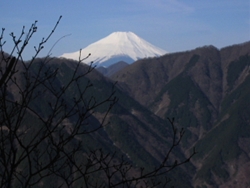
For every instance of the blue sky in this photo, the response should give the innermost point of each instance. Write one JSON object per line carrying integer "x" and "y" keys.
{"x": 173, "y": 25}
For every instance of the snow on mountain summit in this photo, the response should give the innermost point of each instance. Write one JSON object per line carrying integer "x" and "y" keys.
{"x": 118, "y": 46}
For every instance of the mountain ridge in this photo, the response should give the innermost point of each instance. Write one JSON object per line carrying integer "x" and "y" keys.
{"x": 207, "y": 91}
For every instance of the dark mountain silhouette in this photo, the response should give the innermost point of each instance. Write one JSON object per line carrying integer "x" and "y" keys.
{"x": 207, "y": 91}
{"x": 139, "y": 135}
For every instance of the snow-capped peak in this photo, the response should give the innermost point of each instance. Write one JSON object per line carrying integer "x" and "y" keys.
{"x": 118, "y": 46}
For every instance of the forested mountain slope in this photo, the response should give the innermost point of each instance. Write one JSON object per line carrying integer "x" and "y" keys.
{"x": 56, "y": 112}
{"x": 207, "y": 91}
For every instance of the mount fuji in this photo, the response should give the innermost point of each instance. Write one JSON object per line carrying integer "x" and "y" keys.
{"x": 118, "y": 46}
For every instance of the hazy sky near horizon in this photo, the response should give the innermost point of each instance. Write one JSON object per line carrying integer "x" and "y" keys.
{"x": 173, "y": 25}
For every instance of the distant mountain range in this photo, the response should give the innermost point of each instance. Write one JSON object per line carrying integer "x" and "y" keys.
{"x": 118, "y": 46}
{"x": 206, "y": 90}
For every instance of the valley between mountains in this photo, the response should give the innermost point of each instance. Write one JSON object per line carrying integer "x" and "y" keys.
{"x": 207, "y": 91}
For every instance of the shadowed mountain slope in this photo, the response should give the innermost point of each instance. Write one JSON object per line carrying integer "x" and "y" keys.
{"x": 133, "y": 131}
{"x": 207, "y": 91}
